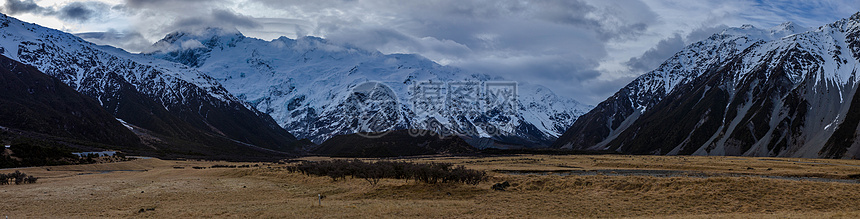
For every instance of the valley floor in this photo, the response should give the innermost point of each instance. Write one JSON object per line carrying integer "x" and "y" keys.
{"x": 543, "y": 186}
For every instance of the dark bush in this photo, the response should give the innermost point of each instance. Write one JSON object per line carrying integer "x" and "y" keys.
{"x": 34, "y": 153}
{"x": 223, "y": 166}
{"x": 30, "y": 179}
{"x": 501, "y": 186}
{"x": 373, "y": 172}
{"x": 18, "y": 177}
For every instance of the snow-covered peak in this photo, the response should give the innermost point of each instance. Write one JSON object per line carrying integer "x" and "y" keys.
{"x": 781, "y": 91}
{"x": 305, "y": 84}
{"x": 206, "y": 38}
{"x": 786, "y": 29}
{"x": 744, "y": 30}
{"x": 848, "y": 25}
{"x": 773, "y": 33}
{"x": 697, "y": 58}
{"x": 167, "y": 98}
{"x": 202, "y": 34}
{"x": 47, "y": 49}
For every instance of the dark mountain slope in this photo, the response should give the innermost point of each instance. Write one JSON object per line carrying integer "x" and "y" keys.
{"x": 33, "y": 101}
{"x": 605, "y": 122}
{"x": 393, "y": 144}
{"x": 172, "y": 102}
{"x": 793, "y": 96}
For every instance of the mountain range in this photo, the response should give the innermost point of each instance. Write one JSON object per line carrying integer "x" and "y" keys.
{"x": 174, "y": 109}
{"x": 213, "y": 92}
{"x": 315, "y": 89}
{"x": 785, "y": 91}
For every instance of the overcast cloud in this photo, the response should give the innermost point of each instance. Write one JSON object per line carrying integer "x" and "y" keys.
{"x": 583, "y": 49}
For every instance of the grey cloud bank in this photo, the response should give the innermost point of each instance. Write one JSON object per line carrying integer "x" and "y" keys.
{"x": 583, "y": 49}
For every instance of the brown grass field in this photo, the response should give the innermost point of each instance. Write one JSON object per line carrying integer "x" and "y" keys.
{"x": 717, "y": 187}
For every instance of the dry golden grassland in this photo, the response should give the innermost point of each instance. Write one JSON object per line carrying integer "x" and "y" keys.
{"x": 721, "y": 187}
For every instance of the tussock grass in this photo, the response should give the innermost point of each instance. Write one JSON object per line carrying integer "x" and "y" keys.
{"x": 269, "y": 191}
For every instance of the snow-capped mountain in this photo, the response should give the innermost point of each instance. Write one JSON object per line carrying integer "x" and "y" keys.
{"x": 784, "y": 91}
{"x": 317, "y": 89}
{"x": 169, "y": 100}
{"x": 34, "y": 102}
{"x": 612, "y": 116}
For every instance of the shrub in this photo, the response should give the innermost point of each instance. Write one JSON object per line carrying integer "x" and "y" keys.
{"x": 501, "y": 186}
{"x": 30, "y": 179}
{"x": 18, "y": 177}
{"x": 373, "y": 172}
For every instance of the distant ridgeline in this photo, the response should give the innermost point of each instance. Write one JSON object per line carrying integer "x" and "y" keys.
{"x": 393, "y": 144}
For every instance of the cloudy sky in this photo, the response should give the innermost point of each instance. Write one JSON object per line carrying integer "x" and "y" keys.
{"x": 583, "y": 49}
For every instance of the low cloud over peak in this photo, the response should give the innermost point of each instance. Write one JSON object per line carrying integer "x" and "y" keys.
{"x": 585, "y": 49}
